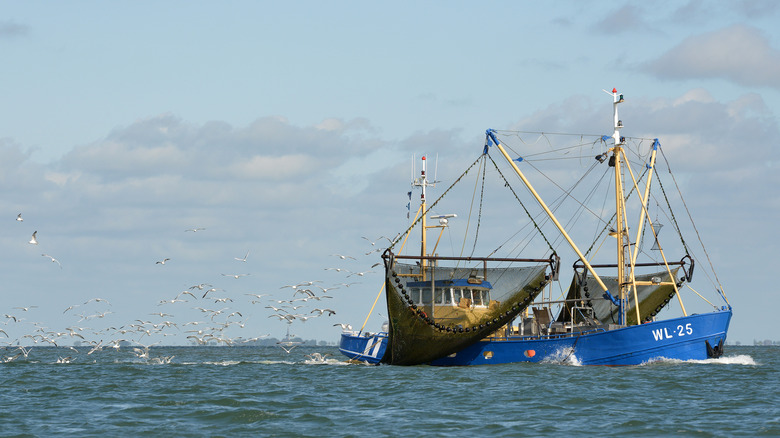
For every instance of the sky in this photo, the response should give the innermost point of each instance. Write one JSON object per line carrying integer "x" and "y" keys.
{"x": 286, "y": 131}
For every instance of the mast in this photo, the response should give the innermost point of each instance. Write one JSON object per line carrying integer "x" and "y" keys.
{"x": 422, "y": 182}
{"x": 621, "y": 233}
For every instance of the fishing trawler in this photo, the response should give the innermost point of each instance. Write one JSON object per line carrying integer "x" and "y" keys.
{"x": 455, "y": 295}
{"x": 467, "y": 310}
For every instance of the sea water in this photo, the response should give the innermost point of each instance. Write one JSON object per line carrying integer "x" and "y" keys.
{"x": 311, "y": 391}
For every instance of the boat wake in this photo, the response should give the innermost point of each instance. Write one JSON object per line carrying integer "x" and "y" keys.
{"x": 740, "y": 359}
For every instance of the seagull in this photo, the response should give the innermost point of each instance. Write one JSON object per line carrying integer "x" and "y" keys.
{"x": 343, "y": 257}
{"x": 244, "y": 259}
{"x": 195, "y": 230}
{"x": 330, "y": 312}
{"x": 235, "y": 275}
{"x": 308, "y": 292}
{"x": 369, "y": 240}
{"x": 377, "y": 240}
{"x": 19, "y": 217}
{"x": 213, "y": 289}
{"x": 53, "y": 259}
{"x": 34, "y": 240}
{"x": 360, "y": 274}
{"x": 317, "y": 357}
{"x": 343, "y": 326}
{"x": 161, "y": 262}
{"x": 186, "y": 292}
{"x": 25, "y": 309}
{"x": 258, "y": 296}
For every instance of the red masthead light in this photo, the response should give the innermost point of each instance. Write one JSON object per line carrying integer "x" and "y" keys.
{"x": 423, "y": 157}
{"x": 614, "y": 90}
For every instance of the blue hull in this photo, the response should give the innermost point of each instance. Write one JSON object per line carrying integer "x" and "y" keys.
{"x": 369, "y": 349}
{"x": 682, "y": 338}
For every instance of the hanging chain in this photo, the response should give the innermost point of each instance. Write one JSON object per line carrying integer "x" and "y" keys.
{"x": 479, "y": 213}
{"x": 521, "y": 204}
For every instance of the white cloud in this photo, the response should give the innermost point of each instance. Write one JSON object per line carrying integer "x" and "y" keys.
{"x": 739, "y": 53}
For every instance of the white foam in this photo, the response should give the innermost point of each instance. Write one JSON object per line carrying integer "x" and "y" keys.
{"x": 741, "y": 359}
{"x": 563, "y": 356}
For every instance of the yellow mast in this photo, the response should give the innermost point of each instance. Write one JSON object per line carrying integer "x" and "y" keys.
{"x": 640, "y": 227}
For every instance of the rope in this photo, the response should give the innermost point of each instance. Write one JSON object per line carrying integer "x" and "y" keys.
{"x": 411, "y": 227}
{"x": 698, "y": 236}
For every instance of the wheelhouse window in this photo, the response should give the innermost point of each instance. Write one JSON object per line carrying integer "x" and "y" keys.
{"x": 477, "y": 297}
{"x": 427, "y": 296}
{"x": 456, "y": 296}
{"x": 443, "y": 296}
{"x": 420, "y": 296}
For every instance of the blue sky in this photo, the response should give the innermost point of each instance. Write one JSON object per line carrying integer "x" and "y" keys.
{"x": 287, "y": 130}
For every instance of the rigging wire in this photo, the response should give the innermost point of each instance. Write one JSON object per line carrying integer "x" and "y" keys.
{"x": 696, "y": 230}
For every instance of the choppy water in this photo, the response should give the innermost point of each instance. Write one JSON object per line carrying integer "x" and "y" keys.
{"x": 257, "y": 391}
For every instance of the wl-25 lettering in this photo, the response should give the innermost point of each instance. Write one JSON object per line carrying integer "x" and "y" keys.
{"x": 663, "y": 333}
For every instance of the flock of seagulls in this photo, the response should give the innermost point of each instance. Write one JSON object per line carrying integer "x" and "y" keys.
{"x": 218, "y": 315}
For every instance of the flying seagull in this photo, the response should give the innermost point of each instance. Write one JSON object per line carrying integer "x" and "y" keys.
{"x": 194, "y": 230}
{"x": 19, "y": 217}
{"x": 244, "y": 259}
{"x": 161, "y": 262}
{"x": 34, "y": 240}
{"x": 53, "y": 259}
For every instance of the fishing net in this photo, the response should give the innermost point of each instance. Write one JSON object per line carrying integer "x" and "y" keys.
{"x": 585, "y": 295}
{"x": 435, "y": 311}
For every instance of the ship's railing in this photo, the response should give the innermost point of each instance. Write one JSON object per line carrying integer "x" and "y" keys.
{"x": 554, "y": 261}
